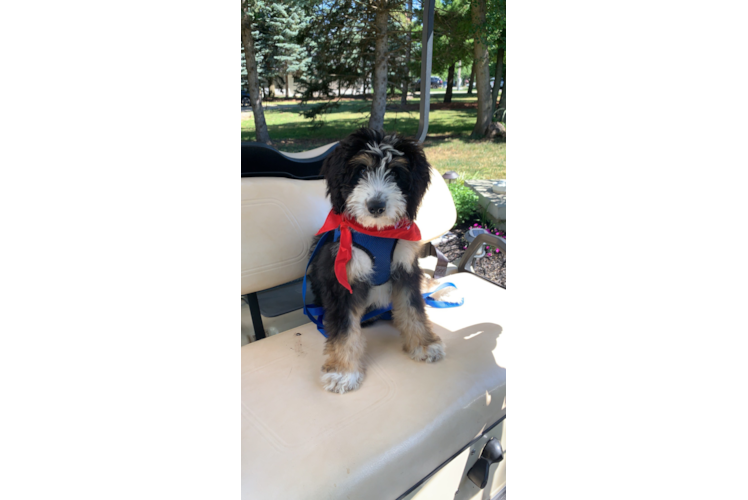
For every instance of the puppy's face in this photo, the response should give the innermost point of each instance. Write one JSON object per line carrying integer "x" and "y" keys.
{"x": 376, "y": 179}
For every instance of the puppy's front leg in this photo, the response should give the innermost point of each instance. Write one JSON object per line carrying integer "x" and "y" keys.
{"x": 343, "y": 370}
{"x": 409, "y": 316}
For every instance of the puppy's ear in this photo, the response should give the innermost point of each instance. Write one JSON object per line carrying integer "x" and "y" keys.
{"x": 420, "y": 174}
{"x": 334, "y": 171}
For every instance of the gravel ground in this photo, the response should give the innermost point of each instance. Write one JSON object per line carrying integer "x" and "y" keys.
{"x": 492, "y": 266}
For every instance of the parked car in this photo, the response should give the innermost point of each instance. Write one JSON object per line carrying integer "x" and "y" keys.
{"x": 245, "y": 99}
{"x": 436, "y": 83}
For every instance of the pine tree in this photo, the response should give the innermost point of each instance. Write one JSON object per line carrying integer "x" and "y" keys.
{"x": 488, "y": 23}
{"x": 452, "y": 39}
{"x": 360, "y": 45}
{"x": 279, "y": 42}
{"x": 496, "y": 21}
{"x": 251, "y": 10}
{"x": 480, "y": 53}
{"x": 272, "y": 48}
{"x": 405, "y": 68}
{"x": 340, "y": 55}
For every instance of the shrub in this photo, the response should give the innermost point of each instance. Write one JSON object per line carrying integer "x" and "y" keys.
{"x": 466, "y": 202}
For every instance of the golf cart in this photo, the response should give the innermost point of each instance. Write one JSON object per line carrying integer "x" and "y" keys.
{"x": 413, "y": 430}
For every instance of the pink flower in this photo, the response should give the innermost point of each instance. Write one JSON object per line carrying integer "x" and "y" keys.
{"x": 464, "y": 248}
{"x": 475, "y": 225}
{"x": 497, "y": 250}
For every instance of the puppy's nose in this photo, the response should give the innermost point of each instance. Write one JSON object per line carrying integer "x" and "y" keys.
{"x": 376, "y": 206}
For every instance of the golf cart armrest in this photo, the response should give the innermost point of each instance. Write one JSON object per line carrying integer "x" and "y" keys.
{"x": 477, "y": 243}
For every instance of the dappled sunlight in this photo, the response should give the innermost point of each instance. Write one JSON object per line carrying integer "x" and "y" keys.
{"x": 473, "y": 335}
{"x": 448, "y": 145}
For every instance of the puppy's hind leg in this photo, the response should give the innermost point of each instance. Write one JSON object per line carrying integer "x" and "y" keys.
{"x": 409, "y": 316}
{"x": 343, "y": 370}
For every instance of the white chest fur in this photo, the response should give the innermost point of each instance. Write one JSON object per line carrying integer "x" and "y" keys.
{"x": 380, "y": 296}
{"x": 360, "y": 267}
{"x": 405, "y": 254}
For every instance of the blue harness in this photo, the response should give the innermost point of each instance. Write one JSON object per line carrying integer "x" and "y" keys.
{"x": 380, "y": 250}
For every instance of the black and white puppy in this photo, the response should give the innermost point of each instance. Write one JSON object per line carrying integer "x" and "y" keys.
{"x": 379, "y": 180}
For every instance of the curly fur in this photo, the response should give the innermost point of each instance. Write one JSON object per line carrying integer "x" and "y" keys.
{"x": 370, "y": 165}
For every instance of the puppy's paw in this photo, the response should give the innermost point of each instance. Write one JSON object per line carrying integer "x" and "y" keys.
{"x": 430, "y": 353}
{"x": 342, "y": 382}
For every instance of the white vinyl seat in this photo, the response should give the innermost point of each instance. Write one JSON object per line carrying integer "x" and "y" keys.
{"x": 407, "y": 419}
{"x": 300, "y": 441}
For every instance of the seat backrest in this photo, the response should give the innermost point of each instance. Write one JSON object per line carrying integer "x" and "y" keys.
{"x": 281, "y": 216}
{"x": 261, "y": 160}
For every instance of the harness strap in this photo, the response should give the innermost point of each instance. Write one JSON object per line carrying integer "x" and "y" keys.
{"x": 317, "y": 313}
{"x": 313, "y": 311}
{"x": 441, "y": 261}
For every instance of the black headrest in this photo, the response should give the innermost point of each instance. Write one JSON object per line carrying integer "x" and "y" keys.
{"x": 261, "y": 160}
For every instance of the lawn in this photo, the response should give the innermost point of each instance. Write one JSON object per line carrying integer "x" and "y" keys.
{"x": 447, "y": 146}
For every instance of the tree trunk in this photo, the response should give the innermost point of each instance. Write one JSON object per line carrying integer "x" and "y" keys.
{"x": 450, "y": 83}
{"x": 271, "y": 88}
{"x": 502, "y": 100}
{"x": 261, "y": 128}
{"x": 286, "y": 85}
{"x": 480, "y": 52}
{"x": 408, "y": 45}
{"x": 472, "y": 78}
{"x": 497, "y": 78}
{"x": 363, "y": 81}
{"x": 379, "y": 97}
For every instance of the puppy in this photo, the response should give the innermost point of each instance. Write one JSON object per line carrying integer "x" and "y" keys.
{"x": 378, "y": 181}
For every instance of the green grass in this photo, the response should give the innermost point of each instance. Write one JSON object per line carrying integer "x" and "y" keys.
{"x": 470, "y": 159}
{"x": 448, "y": 146}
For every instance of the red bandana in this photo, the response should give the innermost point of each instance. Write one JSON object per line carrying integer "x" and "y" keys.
{"x": 345, "y": 252}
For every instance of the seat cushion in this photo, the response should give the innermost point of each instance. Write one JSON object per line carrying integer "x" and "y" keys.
{"x": 408, "y": 417}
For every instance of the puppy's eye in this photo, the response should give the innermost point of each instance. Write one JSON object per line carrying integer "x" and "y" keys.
{"x": 399, "y": 163}
{"x": 400, "y": 171}
{"x": 360, "y": 161}
{"x": 356, "y": 172}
